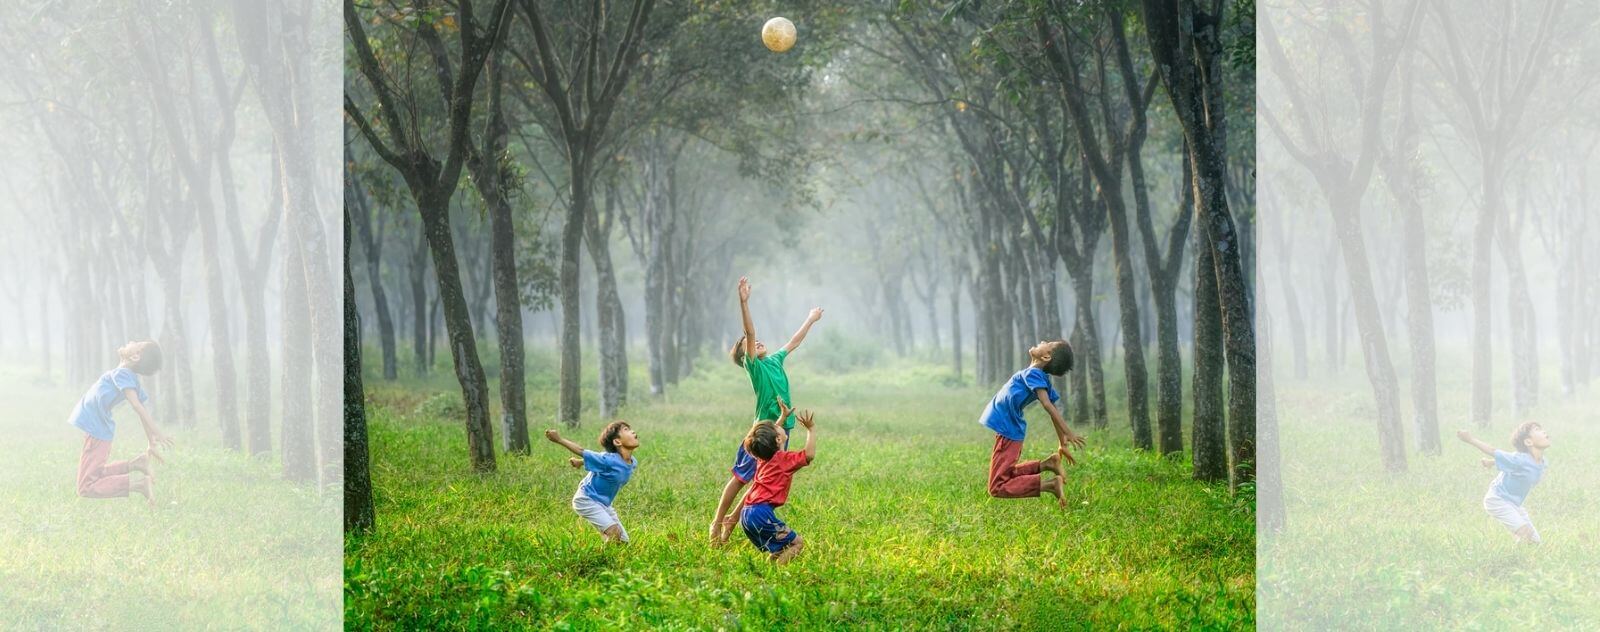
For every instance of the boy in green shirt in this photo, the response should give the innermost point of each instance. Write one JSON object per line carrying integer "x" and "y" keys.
{"x": 771, "y": 384}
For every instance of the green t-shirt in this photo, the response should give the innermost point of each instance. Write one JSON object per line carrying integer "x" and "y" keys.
{"x": 770, "y": 383}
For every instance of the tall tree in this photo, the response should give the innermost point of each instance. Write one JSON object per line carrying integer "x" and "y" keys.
{"x": 1187, "y": 45}
{"x": 432, "y": 183}
{"x": 1343, "y": 181}
{"x": 584, "y": 96}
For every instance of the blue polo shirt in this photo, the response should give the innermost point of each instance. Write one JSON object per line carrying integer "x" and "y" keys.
{"x": 1003, "y": 415}
{"x": 607, "y": 474}
{"x": 93, "y": 412}
{"x": 1518, "y": 474}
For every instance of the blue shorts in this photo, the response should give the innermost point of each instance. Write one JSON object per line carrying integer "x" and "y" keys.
{"x": 744, "y": 465}
{"x": 764, "y": 528}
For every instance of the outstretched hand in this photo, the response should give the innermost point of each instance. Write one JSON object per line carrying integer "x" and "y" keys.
{"x": 744, "y": 288}
{"x": 783, "y": 409}
{"x": 1073, "y": 439}
{"x": 575, "y": 462}
{"x": 1464, "y": 435}
{"x": 815, "y": 315}
{"x": 553, "y": 436}
{"x": 1066, "y": 455}
{"x": 1487, "y": 462}
{"x": 159, "y": 439}
{"x": 805, "y": 418}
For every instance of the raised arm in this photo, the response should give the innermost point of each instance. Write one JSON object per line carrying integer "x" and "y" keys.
{"x": 1064, "y": 435}
{"x": 555, "y": 437}
{"x": 1476, "y": 443}
{"x": 805, "y": 419}
{"x": 805, "y": 327}
{"x": 155, "y": 436}
{"x": 744, "y": 313}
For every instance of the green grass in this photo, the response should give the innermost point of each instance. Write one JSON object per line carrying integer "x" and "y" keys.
{"x": 900, "y": 531}
{"x": 231, "y": 546}
{"x": 1416, "y": 550}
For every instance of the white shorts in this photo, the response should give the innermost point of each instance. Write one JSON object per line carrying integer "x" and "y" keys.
{"x": 601, "y": 516}
{"x": 1512, "y": 515}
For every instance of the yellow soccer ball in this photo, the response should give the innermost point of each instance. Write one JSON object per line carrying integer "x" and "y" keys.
{"x": 778, "y": 35}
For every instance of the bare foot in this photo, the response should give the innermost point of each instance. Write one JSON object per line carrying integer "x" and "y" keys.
{"x": 1053, "y": 464}
{"x": 147, "y": 487}
{"x": 1055, "y": 488}
{"x": 787, "y": 553}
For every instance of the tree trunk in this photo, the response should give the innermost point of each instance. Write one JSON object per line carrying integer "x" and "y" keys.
{"x": 1330, "y": 305}
{"x": 488, "y": 175}
{"x": 373, "y": 247}
{"x": 358, "y": 514}
{"x": 608, "y": 307}
{"x": 1270, "y": 517}
{"x": 955, "y": 323}
{"x": 1374, "y": 344}
{"x": 1083, "y": 287}
{"x": 421, "y": 340}
{"x": 1132, "y": 342}
{"x": 1524, "y": 333}
{"x": 1210, "y": 451}
{"x": 458, "y": 326}
{"x": 1419, "y": 316}
{"x": 297, "y": 441}
{"x": 571, "y": 241}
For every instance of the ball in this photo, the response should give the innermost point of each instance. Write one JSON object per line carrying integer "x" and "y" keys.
{"x": 778, "y": 35}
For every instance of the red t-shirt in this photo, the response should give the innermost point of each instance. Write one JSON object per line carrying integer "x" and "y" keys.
{"x": 772, "y": 478}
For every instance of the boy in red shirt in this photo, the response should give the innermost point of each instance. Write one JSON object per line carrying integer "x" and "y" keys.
{"x": 775, "y": 468}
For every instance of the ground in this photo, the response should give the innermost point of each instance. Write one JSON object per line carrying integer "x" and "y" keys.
{"x": 230, "y": 545}
{"x": 1416, "y": 550}
{"x": 900, "y": 531}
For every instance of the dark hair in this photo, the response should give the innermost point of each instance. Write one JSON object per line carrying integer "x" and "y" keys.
{"x": 762, "y": 442}
{"x": 737, "y": 352}
{"x": 1521, "y": 434}
{"x": 608, "y": 434}
{"x": 149, "y": 357}
{"x": 1060, "y": 358}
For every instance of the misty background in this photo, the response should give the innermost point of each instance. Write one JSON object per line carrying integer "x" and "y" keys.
{"x": 170, "y": 172}
{"x": 1428, "y": 238}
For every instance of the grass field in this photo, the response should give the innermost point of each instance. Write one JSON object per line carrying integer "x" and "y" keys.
{"x": 1368, "y": 550}
{"x": 230, "y": 546}
{"x": 900, "y": 531}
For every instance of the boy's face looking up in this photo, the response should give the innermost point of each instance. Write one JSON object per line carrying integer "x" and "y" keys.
{"x": 143, "y": 356}
{"x": 760, "y": 349}
{"x": 1537, "y": 438}
{"x": 626, "y": 438}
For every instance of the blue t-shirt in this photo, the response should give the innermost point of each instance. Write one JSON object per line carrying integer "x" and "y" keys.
{"x": 93, "y": 413}
{"x": 1003, "y": 415}
{"x": 1518, "y": 474}
{"x": 607, "y": 474}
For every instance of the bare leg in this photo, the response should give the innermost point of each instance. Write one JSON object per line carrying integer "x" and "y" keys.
{"x": 1053, "y": 464}
{"x": 787, "y": 553}
{"x": 146, "y": 487}
{"x": 719, "y": 524}
{"x": 1054, "y": 488}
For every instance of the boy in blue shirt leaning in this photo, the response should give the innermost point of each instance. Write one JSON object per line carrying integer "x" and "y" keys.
{"x": 608, "y": 472}
{"x": 1519, "y": 472}
{"x": 1003, "y": 415}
